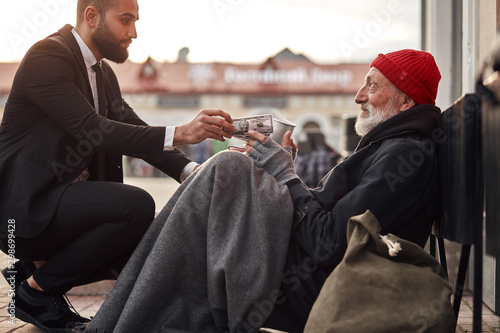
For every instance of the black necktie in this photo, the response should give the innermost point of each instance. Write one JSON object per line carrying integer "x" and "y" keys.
{"x": 101, "y": 94}
{"x": 101, "y": 97}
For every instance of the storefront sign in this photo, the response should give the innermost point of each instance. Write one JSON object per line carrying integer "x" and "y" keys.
{"x": 299, "y": 75}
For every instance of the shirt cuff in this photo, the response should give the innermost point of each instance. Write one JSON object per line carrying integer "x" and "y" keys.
{"x": 188, "y": 169}
{"x": 169, "y": 138}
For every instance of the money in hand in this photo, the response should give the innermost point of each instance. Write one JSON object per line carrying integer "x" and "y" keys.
{"x": 262, "y": 124}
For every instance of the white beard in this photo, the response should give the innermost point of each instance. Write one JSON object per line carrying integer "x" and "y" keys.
{"x": 375, "y": 118}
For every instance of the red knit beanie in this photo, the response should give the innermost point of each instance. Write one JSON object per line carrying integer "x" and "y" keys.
{"x": 414, "y": 72}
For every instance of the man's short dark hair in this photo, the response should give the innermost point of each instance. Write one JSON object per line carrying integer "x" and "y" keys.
{"x": 102, "y": 7}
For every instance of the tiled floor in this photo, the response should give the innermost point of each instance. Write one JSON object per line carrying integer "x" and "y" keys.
{"x": 490, "y": 321}
{"x": 88, "y": 305}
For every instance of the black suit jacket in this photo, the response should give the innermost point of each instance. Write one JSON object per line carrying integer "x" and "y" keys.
{"x": 50, "y": 133}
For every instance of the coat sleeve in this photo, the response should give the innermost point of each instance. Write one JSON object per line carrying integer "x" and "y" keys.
{"x": 171, "y": 162}
{"x": 398, "y": 186}
{"x": 51, "y": 80}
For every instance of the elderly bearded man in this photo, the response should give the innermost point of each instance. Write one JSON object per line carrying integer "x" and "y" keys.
{"x": 263, "y": 260}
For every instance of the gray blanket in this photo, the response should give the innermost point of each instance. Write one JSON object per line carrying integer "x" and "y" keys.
{"x": 212, "y": 261}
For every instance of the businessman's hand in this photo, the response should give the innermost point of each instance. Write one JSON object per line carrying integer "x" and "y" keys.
{"x": 209, "y": 123}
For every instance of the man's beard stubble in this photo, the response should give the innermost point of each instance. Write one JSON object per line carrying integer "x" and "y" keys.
{"x": 109, "y": 46}
{"x": 375, "y": 118}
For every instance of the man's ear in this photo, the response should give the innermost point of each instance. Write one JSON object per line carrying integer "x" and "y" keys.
{"x": 408, "y": 103}
{"x": 91, "y": 16}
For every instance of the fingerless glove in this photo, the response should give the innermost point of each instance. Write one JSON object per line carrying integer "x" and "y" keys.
{"x": 275, "y": 159}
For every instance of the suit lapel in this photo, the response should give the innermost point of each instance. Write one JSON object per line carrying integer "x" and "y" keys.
{"x": 67, "y": 35}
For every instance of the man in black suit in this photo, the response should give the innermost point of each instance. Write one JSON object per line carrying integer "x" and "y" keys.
{"x": 64, "y": 209}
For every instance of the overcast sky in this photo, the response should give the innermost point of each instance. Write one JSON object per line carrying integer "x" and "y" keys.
{"x": 327, "y": 31}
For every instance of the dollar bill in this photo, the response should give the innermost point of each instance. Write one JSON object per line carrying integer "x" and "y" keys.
{"x": 261, "y": 123}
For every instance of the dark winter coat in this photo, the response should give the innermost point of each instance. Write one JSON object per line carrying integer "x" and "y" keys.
{"x": 393, "y": 173}
{"x": 51, "y": 133}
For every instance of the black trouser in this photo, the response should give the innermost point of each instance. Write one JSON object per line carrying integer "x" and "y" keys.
{"x": 94, "y": 231}
{"x": 300, "y": 287}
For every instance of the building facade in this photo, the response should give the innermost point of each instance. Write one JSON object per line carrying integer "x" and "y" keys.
{"x": 463, "y": 36}
{"x": 316, "y": 97}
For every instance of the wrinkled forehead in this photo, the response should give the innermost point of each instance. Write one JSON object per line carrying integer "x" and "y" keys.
{"x": 375, "y": 76}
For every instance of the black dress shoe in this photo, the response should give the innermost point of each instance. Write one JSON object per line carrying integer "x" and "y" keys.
{"x": 48, "y": 312}
{"x": 17, "y": 273}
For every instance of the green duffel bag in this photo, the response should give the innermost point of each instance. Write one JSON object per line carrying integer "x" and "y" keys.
{"x": 383, "y": 284}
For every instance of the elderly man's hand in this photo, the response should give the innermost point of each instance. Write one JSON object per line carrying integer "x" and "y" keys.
{"x": 272, "y": 157}
{"x": 209, "y": 123}
{"x": 287, "y": 140}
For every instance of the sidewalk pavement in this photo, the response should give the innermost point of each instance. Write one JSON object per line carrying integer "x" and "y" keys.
{"x": 87, "y": 306}
{"x": 88, "y": 299}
